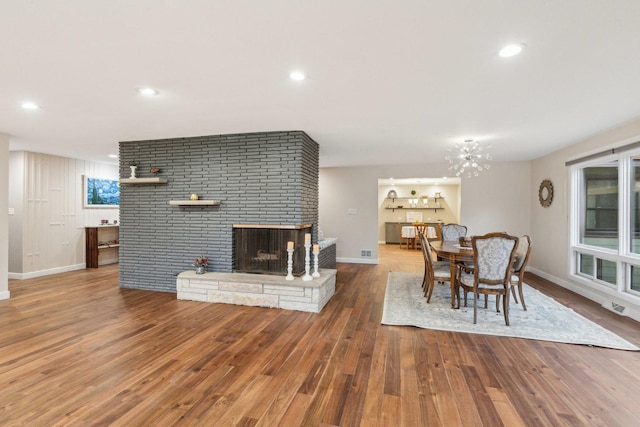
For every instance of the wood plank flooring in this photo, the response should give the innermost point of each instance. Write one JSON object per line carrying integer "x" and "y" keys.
{"x": 77, "y": 350}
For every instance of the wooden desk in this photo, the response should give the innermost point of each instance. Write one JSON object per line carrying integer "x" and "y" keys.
{"x": 454, "y": 253}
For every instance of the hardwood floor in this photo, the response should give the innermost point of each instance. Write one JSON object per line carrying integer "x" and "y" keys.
{"x": 75, "y": 349}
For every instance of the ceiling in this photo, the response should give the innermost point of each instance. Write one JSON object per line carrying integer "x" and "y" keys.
{"x": 387, "y": 82}
{"x": 383, "y": 182}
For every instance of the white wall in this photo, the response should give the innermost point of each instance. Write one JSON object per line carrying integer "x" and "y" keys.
{"x": 550, "y": 226}
{"x": 46, "y": 193}
{"x": 4, "y": 220}
{"x": 498, "y": 200}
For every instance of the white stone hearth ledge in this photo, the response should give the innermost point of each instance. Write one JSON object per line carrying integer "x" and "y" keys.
{"x": 261, "y": 290}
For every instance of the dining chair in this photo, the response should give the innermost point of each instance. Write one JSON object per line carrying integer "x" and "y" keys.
{"x": 452, "y": 232}
{"x": 421, "y": 228}
{"x": 490, "y": 274}
{"x": 520, "y": 263}
{"x": 434, "y": 271}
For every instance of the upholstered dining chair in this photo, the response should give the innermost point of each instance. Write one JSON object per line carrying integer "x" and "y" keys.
{"x": 520, "y": 263}
{"x": 490, "y": 274}
{"x": 433, "y": 270}
{"x": 452, "y": 232}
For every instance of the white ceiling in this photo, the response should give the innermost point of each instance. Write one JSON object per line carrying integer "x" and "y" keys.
{"x": 419, "y": 181}
{"x": 389, "y": 82}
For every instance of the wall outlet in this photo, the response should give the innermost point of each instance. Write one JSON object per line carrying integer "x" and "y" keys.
{"x": 12, "y": 211}
{"x": 352, "y": 211}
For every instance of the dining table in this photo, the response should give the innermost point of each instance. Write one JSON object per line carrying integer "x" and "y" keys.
{"x": 455, "y": 253}
{"x": 410, "y": 232}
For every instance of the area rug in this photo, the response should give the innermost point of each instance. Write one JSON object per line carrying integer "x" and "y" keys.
{"x": 545, "y": 319}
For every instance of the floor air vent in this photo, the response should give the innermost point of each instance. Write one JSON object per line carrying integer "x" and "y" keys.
{"x": 617, "y": 307}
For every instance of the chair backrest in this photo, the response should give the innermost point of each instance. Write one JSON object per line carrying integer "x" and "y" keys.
{"x": 522, "y": 253}
{"x": 493, "y": 256}
{"x": 452, "y": 232}
{"x": 428, "y": 259}
{"x": 421, "y": 228}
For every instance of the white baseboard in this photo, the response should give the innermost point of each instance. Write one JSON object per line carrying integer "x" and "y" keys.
{"x": 31, "y": 275}
{"x": 619, "y": 304}
{"x": 358, "y": 260}
{"x": 5, "y": 295}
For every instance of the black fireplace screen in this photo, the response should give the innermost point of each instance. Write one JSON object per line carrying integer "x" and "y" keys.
{"x": 264, "y": 250}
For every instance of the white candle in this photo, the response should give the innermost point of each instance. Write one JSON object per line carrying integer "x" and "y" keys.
{"x": 307, "y": 239}
{"x": 289, "y": 245}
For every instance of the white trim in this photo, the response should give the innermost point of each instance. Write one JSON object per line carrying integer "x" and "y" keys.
{"x": 357, "y": 260}
{"x": 41, "y": 273}
{"x": 5, "y": 295}
{"x": 600, "y": 295}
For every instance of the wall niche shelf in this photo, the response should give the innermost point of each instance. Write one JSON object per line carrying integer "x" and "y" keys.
{"x": 140, "y": 181}
{"x": 194, "y": 202}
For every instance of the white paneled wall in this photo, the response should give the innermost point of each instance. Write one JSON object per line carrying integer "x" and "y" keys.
{"x": 49, "y": 206}
{"x": 4, "y": 218}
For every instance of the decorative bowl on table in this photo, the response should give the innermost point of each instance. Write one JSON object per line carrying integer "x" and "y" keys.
{"x": 465, "y": 242}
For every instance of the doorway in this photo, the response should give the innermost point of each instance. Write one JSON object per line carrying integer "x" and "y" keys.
{"x": 404, "y": 201}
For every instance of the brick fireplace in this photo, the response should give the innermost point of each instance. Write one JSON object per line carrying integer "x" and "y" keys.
{"x": 259, "y": 178}
{"x": 262, "y": 248}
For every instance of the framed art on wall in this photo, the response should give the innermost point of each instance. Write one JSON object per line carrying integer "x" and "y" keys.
{"x": 101, "y": 193}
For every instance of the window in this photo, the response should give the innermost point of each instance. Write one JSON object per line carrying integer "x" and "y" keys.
{"x": 600, "y": 195}
{"x": 605, "y": 221}
{"x": 634, "y": 211}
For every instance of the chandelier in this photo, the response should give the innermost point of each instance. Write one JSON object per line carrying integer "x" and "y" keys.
{"x": 470, "y": 160}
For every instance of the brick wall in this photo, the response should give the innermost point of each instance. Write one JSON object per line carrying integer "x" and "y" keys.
{"x": 260, "y": 178}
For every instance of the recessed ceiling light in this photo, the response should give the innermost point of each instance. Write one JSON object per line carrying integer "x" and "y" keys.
{"x": 297, "y": 76}
{"x": 28, "y": 105}
{"x": 147, "y": 91}
{"x": 113, "y": 156}
{"x": 510, "y": 50}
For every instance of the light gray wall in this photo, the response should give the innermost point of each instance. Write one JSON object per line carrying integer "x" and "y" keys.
{"x": 497, "y": 200}
{"x": 260, "y": 178}
{"x": 4, "y": 220}
{"x": 550, "y": 226}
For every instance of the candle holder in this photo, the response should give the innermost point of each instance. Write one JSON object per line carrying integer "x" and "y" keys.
{"x": 316, "y": 257}
{"x": 307, "y": 261}
{"x": 289, "y": 264}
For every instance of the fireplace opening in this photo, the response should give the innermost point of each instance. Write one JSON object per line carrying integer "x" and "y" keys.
{"x": 263, "y": 248}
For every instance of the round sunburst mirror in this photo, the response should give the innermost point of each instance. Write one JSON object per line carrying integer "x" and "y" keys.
{"x": 545, "y": 193}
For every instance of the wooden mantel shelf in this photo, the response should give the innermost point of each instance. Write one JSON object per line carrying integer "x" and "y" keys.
{"x": 153, "y": 180}
{"x": 194, "y": 202}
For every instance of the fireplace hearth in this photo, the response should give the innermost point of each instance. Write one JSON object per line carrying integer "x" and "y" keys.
{"x": 262, "y": 248}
